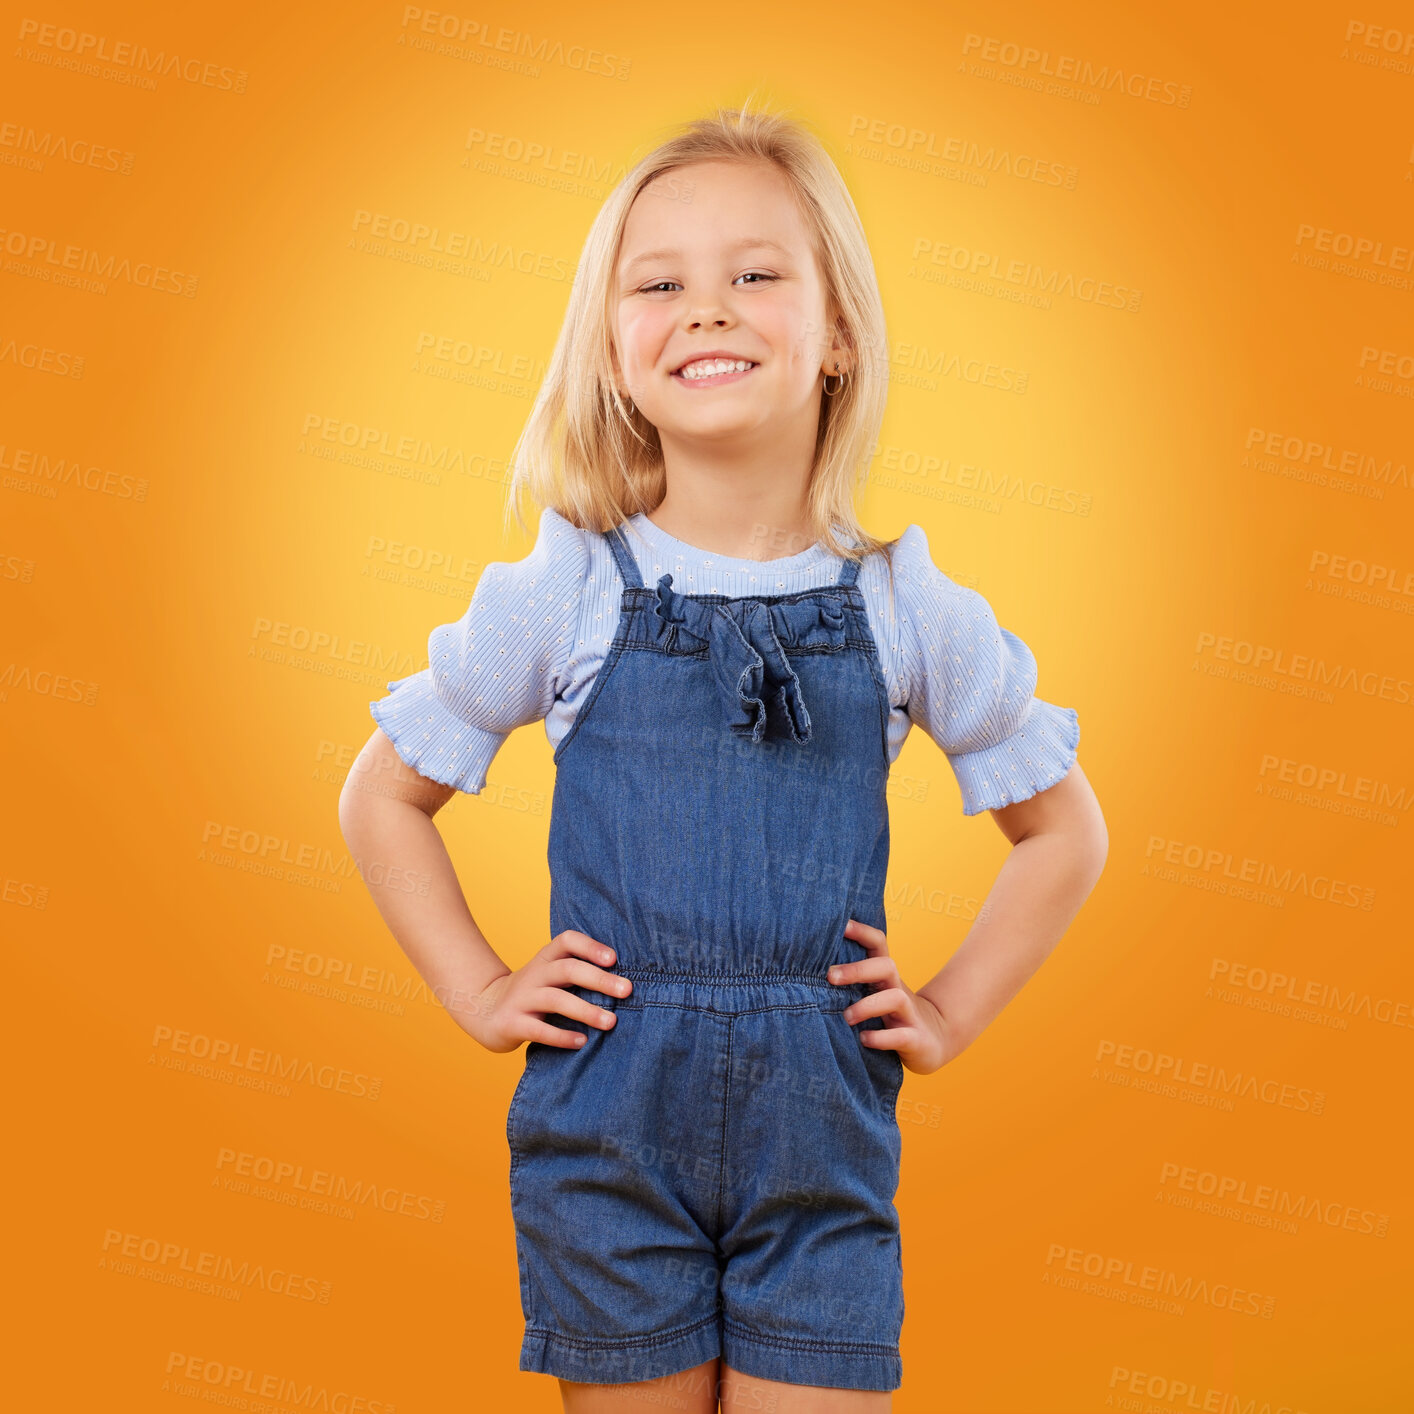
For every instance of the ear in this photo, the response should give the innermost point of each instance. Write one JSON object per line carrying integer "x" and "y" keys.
{"x": 841, "y": 351}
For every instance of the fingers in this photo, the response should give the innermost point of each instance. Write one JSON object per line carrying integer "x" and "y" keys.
{"x": 890, "y": 1002}
{"x": 572, "y": 942}
{"x": 556, "y": 999}
{"x": 541, "y": 988}
{"x": 548, "y": 1035}
{"x": 873, "y": 940}
{"x": 867, "y": 969}
{"x": 566, "y": 971}
{"x": 892, "y": 1038}
{"x": 571, "y": 959}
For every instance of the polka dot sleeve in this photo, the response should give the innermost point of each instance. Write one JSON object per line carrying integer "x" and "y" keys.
{"x": 971, "y": 686}
{"x": 498, "y": 667}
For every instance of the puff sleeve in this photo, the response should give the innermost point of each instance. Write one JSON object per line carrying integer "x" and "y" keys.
{"x": 971, "y": 686}
{"x": 498, "y": 667}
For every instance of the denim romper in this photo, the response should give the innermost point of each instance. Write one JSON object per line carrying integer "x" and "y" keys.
{"x": 715, "y": 1173}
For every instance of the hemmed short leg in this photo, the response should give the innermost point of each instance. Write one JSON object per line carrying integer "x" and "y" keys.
{"x": 833, "y": 1364}
{"x": 624, "y": 1360}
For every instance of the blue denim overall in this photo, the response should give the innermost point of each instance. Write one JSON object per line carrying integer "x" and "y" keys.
{"x": 715, "y": 1173}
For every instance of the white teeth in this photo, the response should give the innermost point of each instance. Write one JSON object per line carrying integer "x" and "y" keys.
{"x": 710, "y": 367}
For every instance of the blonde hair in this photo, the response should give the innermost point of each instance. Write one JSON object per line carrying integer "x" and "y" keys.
{"x": 595, "y": 459}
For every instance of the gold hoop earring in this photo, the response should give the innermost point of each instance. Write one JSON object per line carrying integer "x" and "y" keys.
{"x": 830, "y": 392}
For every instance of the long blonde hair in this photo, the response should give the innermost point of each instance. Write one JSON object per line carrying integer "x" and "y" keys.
{"x": 595, "y": 459}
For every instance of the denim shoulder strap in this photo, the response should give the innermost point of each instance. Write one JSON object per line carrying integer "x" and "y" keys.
{"x": 849, "y": 572}
{"x": 623, "y": 557}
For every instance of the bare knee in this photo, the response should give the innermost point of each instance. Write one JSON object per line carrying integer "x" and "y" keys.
{"x": 747, "y": 1394}
{"x": 693, "y": 1391}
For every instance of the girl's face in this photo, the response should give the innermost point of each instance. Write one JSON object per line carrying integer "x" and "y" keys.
{"x": 716, "y": 259}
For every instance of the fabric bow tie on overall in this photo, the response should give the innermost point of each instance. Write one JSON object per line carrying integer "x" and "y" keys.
{"x": 746, "y": 640}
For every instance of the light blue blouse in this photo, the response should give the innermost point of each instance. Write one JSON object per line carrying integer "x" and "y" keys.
{"x": 538, "y": 629}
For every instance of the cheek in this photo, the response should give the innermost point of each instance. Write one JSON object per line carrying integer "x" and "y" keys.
{"x": 795, "y": 332}
{"x": 641, "y": 336}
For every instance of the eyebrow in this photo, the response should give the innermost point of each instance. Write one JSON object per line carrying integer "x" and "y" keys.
{"x": 746, "y": 243}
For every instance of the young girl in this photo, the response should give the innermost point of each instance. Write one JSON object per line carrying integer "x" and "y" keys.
{"x": 704, "y": 1149}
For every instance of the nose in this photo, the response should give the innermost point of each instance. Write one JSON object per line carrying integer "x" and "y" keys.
{"x": 707, "y": 313}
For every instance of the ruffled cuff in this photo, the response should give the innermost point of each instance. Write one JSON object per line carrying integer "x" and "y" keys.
{"x": 433, "y": 741}
{"x": 1032, "y": 759}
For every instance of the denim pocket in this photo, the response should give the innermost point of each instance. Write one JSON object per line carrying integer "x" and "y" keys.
{"x": 512, "y": 1140}
{"x": 885, "y": 1071}
{"x": 897, "y": 1064}
{"x": 516, "y": 1097}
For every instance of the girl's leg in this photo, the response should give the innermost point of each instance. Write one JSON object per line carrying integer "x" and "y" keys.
{"x": 691, "y": 1391}
{"x": 742, "y": 1393}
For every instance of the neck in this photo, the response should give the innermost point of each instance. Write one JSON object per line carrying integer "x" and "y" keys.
{"x": 746, "y": 509}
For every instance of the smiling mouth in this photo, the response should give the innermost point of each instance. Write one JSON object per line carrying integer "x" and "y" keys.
{"x": 713, "y": 372}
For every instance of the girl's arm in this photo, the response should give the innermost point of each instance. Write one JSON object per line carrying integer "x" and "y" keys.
{"x": 385, "y": 813}
{"x": 499, "y": 667}
{"x": 971, "y": 684}
{"x": 1060, "y": 844}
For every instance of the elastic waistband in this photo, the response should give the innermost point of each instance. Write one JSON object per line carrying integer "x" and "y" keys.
{"x": 729, "y": 994}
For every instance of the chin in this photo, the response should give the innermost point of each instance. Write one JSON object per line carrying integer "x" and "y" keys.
{"x": 709, "y": 429}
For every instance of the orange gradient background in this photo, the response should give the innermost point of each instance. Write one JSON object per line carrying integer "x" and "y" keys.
{"x": 202, "y": 590}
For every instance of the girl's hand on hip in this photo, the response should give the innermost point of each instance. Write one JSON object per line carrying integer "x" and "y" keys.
{"x": 913, "y": 1026}
{"x": 512, "y": 1008}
